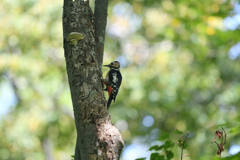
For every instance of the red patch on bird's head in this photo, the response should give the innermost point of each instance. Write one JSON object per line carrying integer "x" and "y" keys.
{"x": 118, "y": 62}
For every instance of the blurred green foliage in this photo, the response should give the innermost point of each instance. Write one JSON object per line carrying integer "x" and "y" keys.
{"x": 235, "y": 157}
{"x": 175, "y": 67}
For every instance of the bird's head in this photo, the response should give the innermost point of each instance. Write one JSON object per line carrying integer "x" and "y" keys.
{"x": 113, "y": 65}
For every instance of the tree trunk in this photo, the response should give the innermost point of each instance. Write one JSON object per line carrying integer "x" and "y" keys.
{"x": 97, "y": 138}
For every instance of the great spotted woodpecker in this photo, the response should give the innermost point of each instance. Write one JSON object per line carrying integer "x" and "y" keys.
{"x": 112, "y": 81}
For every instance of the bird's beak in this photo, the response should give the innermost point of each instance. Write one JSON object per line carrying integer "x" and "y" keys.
{"x": 107, "y": 65}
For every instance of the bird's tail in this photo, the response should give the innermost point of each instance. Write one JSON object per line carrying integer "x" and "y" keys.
{"x": 109, "y": 100}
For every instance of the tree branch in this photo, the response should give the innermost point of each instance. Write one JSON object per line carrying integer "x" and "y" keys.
{"x": 182, "y": 146}
{"x": 100, "y": 17}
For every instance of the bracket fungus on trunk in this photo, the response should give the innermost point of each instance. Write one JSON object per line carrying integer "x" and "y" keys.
{"x": 74, "y": 37}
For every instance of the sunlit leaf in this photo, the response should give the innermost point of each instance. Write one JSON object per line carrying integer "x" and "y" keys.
{"x": 156, "y": 147}
{"x": 163, "y": 137}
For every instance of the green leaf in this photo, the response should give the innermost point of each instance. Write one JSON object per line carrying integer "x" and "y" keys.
{"x": 156, "y": 147}
{"x": 153, "y": 147}
{"x": 168, "y": 144}
{"x": 177, "y": 132}
{"x": 141, "y": 158}
{"x": 234, "y": 130}
{"x": 169, "y": 154}
{"x": 163, "y": 137}
{"x": 156, "y": 156}
{"x": 185, "y": 145}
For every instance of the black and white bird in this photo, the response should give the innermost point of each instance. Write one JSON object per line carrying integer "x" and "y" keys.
{"x": 112, "y": 81}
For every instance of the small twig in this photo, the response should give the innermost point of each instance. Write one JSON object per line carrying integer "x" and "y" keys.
{"x": 185, "y": 139}
{"x": 223, "y": 141}
{"x": 185, "y": 155}
{"x": 179, "y": 144}
{"x": 182, "y": 146}
{"x": 222, "y": 136}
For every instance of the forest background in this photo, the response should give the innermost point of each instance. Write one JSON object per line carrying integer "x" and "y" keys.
{"x": 180, "y": 67}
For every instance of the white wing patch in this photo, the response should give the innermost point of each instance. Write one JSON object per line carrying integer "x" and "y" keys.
{"x": 115, "y": 78}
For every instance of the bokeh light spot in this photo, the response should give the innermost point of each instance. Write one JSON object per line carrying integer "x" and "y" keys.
{"x": 7, "y": 97}
{"x": 122, "y": 125}
{"x": 135, "y": 151}
{"x": 210, "y": 31}
{"x": 154, "y": 96}
{"x": 234, "y": 149}
{"x": 148, "y": 121}
{"x": 234, "y": 52}
{"x": 132, "y": 113}
{"x": 181, "y": 126}
{"x": 126, "y": 134}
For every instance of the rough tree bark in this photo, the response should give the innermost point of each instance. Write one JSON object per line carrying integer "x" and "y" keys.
{"x": 97, "y": 138}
